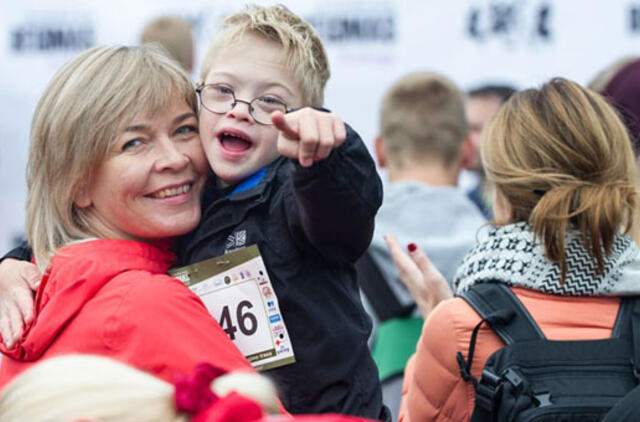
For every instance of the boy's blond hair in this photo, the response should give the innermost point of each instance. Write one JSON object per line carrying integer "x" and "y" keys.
{"x": 173, "y": 33}
{"x": 561, "y": 157}
{"x": 422, "y": 118}
{"x": 303, "y": 51}
{"x": 76, "y": 121}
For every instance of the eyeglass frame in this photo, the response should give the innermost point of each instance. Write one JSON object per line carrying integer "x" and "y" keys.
{"x": 201, "y": 87}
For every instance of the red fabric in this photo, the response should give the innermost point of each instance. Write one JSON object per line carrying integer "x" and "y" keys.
{"x": 193, "y": 392}
{"x": 231, "y": 408}
{"x": 112, "y": 298}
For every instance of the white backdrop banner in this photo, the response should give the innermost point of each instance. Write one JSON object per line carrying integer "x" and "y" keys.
{"x": 370, "y": 43}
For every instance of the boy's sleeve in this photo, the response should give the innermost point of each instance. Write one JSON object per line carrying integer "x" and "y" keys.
{"x": 335, "y": 201}
{"x": 23, "y": 253}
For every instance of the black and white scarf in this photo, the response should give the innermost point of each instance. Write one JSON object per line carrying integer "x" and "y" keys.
{"x": 509, "y": 255}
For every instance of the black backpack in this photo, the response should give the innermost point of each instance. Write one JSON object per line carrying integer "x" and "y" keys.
{"x": 535, "y": 379}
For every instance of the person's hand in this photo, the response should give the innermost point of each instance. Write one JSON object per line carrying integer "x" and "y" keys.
{"x": 18, "y": 280}
{"x": 425, "y": 283}
{"x": 308, "y": 135}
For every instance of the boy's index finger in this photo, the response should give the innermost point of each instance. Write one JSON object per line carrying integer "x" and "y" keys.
{"x": 340, "y": 130}
{"x": 280, "y": 122}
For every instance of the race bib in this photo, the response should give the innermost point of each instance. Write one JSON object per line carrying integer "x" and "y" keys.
{"x": 236, "y": 290}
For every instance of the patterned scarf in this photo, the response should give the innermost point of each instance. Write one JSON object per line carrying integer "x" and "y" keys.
{"x": 510, "y": 255}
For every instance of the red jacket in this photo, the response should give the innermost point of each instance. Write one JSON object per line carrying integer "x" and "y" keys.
{"x": 112, "y": 298}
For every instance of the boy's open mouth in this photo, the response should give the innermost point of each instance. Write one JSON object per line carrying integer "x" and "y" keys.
{"x": 234, "y": 142}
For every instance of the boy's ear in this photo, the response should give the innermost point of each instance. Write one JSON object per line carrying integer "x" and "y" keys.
{"x": 467, "y": 154}
{"x": 82, "y": 199}
{"x": 381, "y": 154}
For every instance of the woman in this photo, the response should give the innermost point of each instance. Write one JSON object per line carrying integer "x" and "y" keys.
{"x": 115, "y": 171}
{"x": 564, "y": 172}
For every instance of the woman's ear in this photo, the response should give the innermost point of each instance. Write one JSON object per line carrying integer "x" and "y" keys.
{"x": 82, "y": 199}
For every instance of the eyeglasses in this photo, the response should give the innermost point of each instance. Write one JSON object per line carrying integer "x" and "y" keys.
{"x": 220, "y": 99}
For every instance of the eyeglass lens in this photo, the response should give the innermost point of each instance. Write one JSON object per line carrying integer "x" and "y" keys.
{"x": 220, "y": 99}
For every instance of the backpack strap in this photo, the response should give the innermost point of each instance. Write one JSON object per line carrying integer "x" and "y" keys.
{"x": 623, "y": 322}
{"x": 383, "y": 300}
{"x": 488, "y": 298}
{"x": 628, "y": 322}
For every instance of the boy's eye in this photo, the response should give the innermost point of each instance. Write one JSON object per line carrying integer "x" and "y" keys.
{"x": 270, "y": 100}
{"x": 221, "y": 89}
{"x": 269, "y": 104}
{"x": 131, "y": 144}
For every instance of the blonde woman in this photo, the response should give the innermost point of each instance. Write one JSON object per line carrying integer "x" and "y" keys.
{"x": 115, "y": 171}
{"x": 563, "y": 166}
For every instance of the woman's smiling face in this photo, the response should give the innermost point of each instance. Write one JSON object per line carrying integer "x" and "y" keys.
{"x": 148, "y": 186}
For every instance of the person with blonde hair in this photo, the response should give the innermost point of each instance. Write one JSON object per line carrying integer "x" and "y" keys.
{"x": 83, "y": 388}
{"x": 308, "y": 205}
{"x": 87, "y": 387}
{"x": 564, "y": 172}
{"x": 115, "y": 171}
{"x": 175, "y": 35}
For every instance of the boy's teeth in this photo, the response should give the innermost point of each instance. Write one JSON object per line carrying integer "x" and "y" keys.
{"x": 173, "y": 191}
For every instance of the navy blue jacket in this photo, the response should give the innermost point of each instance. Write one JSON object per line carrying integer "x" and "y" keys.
{"x": 311, "y": 225}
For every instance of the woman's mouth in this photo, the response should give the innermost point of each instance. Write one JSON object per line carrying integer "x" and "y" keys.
{"x": 171, "y": 192}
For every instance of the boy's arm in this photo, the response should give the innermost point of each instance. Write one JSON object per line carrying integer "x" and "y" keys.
{"x": 22, "y": 252}
{"x": 335, "y": 200}
{"x": 18, "y": 278}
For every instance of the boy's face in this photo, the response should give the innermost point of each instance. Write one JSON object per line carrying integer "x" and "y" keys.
{"x": 236, "y": 146}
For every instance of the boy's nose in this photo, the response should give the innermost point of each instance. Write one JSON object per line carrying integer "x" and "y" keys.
{"x": 241, "y": 110}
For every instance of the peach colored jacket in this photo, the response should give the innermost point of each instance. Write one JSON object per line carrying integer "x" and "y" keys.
{"x": 433, "y": 388}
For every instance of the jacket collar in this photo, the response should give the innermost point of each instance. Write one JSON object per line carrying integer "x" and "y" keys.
{"x": 252, "y": 186}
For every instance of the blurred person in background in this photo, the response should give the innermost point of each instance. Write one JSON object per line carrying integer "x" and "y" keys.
{"x": 75, "y": 388}
{"x": 423, "y": 143}
{"x": 175, "y": 35}
{"x": 619, "y": 83}
{"x": 560, "y": 159}
{"x": 482, "y": 104}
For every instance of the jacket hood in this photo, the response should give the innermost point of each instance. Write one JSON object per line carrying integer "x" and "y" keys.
{"x": 76, "y": 273}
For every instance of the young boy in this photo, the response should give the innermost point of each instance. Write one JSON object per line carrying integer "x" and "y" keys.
{"x": 311, "y": 217}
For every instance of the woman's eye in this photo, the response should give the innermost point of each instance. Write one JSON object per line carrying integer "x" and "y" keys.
{"x": 131, "y": 144}
{"x": 187, "y": 130}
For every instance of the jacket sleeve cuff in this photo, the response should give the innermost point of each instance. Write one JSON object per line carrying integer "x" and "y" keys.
{"x": 23, "y": 253}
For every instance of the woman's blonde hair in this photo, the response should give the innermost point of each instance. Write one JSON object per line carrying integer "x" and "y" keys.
{"x": 66, "y": 388}
{"x": 78, "y": 117}
{"x": 302, "y": 47}
{"x": 561, "y": 157}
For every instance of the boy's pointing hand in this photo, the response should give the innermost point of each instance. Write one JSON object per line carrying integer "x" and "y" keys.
{"x": 308, "y": 135}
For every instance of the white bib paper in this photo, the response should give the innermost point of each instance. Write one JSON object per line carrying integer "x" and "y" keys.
{"x": 236, "y": 290}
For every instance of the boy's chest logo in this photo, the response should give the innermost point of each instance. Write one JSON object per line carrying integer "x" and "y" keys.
{"x": 235, "y": 240}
